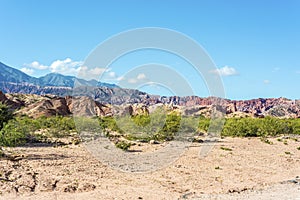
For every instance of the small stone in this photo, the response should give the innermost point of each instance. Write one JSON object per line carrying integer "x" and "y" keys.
{"x": 198, "y": 140}
{"x": 24, "y": 189}
{"x": 153, "y": 142}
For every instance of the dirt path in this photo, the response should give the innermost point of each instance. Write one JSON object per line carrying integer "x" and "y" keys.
{"x": 235, "y": 169}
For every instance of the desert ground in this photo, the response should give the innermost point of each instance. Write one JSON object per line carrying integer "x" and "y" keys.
{"x": 236, "y": 168}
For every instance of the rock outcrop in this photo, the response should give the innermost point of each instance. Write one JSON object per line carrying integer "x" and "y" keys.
{"x": 86, "y": 106}
{"x": 65, "y": 106}
{"x": 12, "y": 104}
{"x": 108, "y": 102}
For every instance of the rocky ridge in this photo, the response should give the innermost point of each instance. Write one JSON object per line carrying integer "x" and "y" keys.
{"x": 135, "y": 103}
{"x": 51, "y": 95}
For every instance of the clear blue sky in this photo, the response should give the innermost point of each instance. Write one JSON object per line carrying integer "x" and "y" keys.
{"x": 256, "y": 44}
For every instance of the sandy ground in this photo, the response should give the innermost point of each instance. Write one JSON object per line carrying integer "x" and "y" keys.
{"x": 235, "y": 169}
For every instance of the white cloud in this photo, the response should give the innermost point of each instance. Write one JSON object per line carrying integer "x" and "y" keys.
{"x": 225, "y": 71}
{"x": 27, "y": 70}
{"x": 93, "y": 73}
{"x": 109, "y": 75}
{"x": 66, "y": 67}
{"x": 120, "y": 78}
{"x": 138, "y": 78}
{"x": 108, "y": 70}
{"x": 276, "y": 69}
{"x": 132, "y": 80}
{"x": 75, "y": 68}
{"x": 266, "y": 81}
{"x": 141, "y": 76}
{"x": 36, "y": 65}
{"x": 112, "y": 74}
{"x": 97, "y": 71}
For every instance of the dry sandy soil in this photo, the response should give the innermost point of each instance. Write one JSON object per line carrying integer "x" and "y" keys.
{"x": 235, "y": 169}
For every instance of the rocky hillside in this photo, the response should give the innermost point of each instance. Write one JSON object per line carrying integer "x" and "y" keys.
{"x": 49, "y": 105}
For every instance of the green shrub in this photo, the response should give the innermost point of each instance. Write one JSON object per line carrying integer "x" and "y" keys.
{"x": 12, "y": 134}
{"x": 141, "y": 120}
{"x": 203, "y": 124}
{"x": 22, "y": 129}
{"x": 163, "y": 127}
{"x": 87, "y": 124}
{"x": 265, "y": 140}
{"x": 226, "y": 148}
{"x": 124, "y": 145}
{"x": 109, "y": 124}
{"x": 257, "y": 127}
{"x": 170, "y": 128}
{"x": 295, "y": 126}
{"x": 5, "y": 114}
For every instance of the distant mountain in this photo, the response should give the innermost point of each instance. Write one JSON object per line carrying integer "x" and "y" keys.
{"x": 9, "y": 74}
{"x": 15, "y": 81}
{"x": 12, "y": 75}
{"x": 55, "y": 79}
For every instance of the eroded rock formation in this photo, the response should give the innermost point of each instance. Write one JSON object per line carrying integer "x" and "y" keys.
{"x": 140, "y": 103}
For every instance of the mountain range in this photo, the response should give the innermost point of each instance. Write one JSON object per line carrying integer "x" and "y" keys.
{"x": 14, "y": 81}
{"x": 12, "y": 75}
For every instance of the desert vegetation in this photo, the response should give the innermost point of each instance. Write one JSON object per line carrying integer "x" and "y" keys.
{"x": 18, "y": 130}
{"x": 233, "y": 127}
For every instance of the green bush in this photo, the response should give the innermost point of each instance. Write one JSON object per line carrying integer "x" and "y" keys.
{"x": 109, "y": 124}
{"x": 124, "y": 145}
{"x": 157, "y": 126}
{"x": 5, "y": 114}
{"x": 170, "y": 128}
{"x": 260, "y": 127}
{"x": 295, "y": 126}
{"x": 203, "y": 124}
{"x": 87, "y": 124}
{"x": 141, "y": 120}
{"x": 12, "y": 134}
{"x": 57, "y": 126}
{"x": 19, "y": 130}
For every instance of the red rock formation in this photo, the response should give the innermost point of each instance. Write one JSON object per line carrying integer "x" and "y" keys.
{"x": 86, "y": 106}
{"x": 191, "y": 105}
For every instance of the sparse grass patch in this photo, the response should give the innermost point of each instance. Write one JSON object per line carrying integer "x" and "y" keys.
{"x": 287, "y": 153}
{"x": 298, "y": 148}
{"x": 226, "y": 148}
{"x": 1, "y": 155}
{"x": 265, "y": 140}
{"x": 124, "y": 145}
{"x": 295, "y": 139}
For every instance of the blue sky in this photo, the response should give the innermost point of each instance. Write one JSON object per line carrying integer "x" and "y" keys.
{"x": 255, "y": 44}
